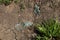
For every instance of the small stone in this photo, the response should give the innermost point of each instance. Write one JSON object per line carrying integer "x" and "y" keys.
{"x": 19, "y": 27}
{"x": 23, "y": 26}
{"x": 27, "y": 23}
{"x": 19, "y": 15}
{"x": 36, "y": 9}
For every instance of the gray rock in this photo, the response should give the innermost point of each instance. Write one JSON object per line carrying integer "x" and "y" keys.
{"x": 36, "y": 9}
{"x": 27, "y": 23}
{"x": 19, "y": 27}
{"x": 22, "y": 26}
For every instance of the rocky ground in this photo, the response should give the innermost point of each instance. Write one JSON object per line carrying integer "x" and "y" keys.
{"x": 11, "y": 15}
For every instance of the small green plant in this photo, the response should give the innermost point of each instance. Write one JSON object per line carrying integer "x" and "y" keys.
{"x": 1, "y": 1}
{"x": 6, "y": 2}
{"x": 49, "y": 30}
{"x": 16, "y": 1}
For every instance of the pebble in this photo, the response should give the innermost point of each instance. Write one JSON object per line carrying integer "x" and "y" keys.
{"x": 28, "y": 23}
{"x": 19, "y": 27}
{"x": 36, "y": 9}
{"x": 23, "y": 26}
{"x": 19, "y": 15}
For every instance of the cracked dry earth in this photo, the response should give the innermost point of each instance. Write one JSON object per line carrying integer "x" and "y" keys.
{"x": 8, "y": 20}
